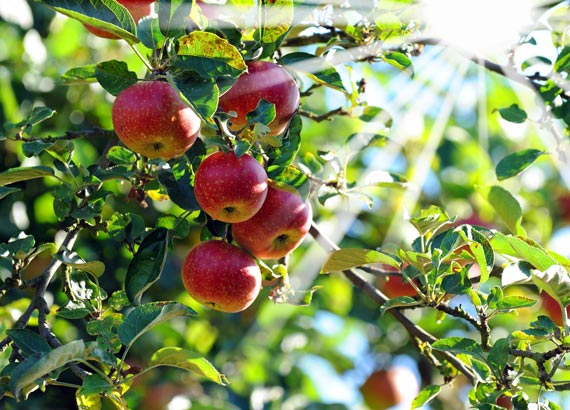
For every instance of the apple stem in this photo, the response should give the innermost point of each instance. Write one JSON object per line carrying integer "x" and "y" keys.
{"x": 141, "y": 57}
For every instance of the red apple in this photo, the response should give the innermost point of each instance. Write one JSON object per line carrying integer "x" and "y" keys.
{"x": 229, "y": 188}
{"x": 505, "y": 402}
{"x": 150, "y": 118}
{"x": 387, "y": 388}
{"x": 138, "y": 10}
{"x": 209, "y": 10}
{"x": 221, "y": 276}
{"x": 552, "y": 308}
{"x": 279, "y": 226}
{"x": 396, "y": 286}
{"x": 263, "y": 80}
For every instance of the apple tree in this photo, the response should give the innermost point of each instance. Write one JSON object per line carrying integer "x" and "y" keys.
{"x": 282, "y": 204}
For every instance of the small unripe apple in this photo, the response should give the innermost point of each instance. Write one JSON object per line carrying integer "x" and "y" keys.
{"x": 229, "y": 188}
{"x": 279, "y": 226}
{"x": 505, "y": 402}
{"x": 263, "y": 80}
{"x": 221, "y": 276}
{"x": 138, "y": 10}
{"x": 151, "y": 119}
{"x": 388, "y": 387}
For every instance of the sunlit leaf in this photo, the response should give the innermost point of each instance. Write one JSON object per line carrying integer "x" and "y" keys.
{"x": 18, "y": 174}
{"x": 316, "y": 68}
{"x": 145, "y": 317}
{"x": 80, "y": 74}
{"x": 506, "y": 206}
{"x": 70, "y": 258}
{"x": 459, "y": 345}
{"x": 349, "y": 258}
{"x": 107, "y": 15}
{"x": 555, "y": 281}
{"x": 187, "y": 360}
{"x": 426, "y": 395}
{"x": 24, "y": 376}
{"x": 209, "y": 55}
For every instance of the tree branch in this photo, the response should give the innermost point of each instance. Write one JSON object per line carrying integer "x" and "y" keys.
{"x": 380, "y": 299}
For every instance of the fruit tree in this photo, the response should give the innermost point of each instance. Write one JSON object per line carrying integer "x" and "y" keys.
{"x": 284, "y": 204}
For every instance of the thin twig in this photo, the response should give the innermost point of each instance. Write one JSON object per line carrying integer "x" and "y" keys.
{"x": 379, "y": 298}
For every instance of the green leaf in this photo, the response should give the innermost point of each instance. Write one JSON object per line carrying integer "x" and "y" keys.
{"x": 176, "y": 178}
{"x": 498, "y": 356}
{"x": 430, "y": 220}
{"x": 516, "y": 163}
{"x": 149, "y": 33}
{"x": 277, "y": 18}
{"x": 456, "y": 284}
{"x": 187, "y": 360}
{"x": 121, "y": 155}
{"x": 25, "y": 375}
{"x": 70, "y": 258}
{"x": 114, "y": 76}
{"x": 94, "y": 384}
{"x": 172, "y": 16}
{"x": 28, "y": 342}
{"x": 147, "y": 264}
{"x": 555, "y": 281}
{"x": 35, "y": 148}
{"x": 400, "y": 301}
{"x": 459, "y": 345}
{"x": 290, "y": 176}
{"x": 349, "y": 258}
{"x": 87, "y": 402}
{"x": 523, "y": 248}
{"x": 18, "y": 174}
{"x": 397, "y": 59}
{"x": 562, "y": 63}
{"x": 145, "y": 317}
{"x": 376, "y": 114}
{"x": 209, "y": 55}
{"x": 107, "y": 15}
{"x": 38, "y": 115}
{"x": 264, "y": 113}
{"x": 5, "y": 191}
{"x": 285, "y": 154}
{"x": 316, "y": 68}
{"x": 514, "y": 302}
{"x": 80, "y": 74}
{"x": 201, "y": 94}
{"x": 426, "y": 395}
{"x": 513, "y": 114}
{"x": 506, "y": 206}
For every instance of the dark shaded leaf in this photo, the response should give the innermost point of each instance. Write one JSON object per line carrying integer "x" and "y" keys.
{"x": 114, "y": 76}
{"x": 145, "y": 317}
{"x": 516, "y": 163}
{"x": 146, "y": 266}
{"x": 513, "y": 114}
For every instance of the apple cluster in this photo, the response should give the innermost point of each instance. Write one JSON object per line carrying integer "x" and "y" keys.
{"x": 268, "y": 220}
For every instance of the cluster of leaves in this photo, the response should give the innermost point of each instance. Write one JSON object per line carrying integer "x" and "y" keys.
{"x": 202, "y": 58}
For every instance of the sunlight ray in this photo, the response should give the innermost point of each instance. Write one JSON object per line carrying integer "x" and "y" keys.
{"x": 482, "y": 123}
{"x": 423, "y": 163}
